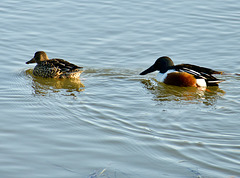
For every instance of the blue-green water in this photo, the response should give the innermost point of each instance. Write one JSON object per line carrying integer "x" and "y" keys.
{"x": 113, "y": 122}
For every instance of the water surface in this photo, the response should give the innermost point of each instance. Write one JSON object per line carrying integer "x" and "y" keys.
{"x": 113, "y": 122}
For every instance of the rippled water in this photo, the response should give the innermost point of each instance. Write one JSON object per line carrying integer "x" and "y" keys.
{"x": 113, "y": 122}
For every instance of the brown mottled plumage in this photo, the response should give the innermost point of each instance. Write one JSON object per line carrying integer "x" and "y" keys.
{"x": 53, "y": 68}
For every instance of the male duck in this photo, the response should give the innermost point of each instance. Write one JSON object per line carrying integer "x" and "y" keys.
{"x": 184, "y": 75}
{"x": 53, "y": 68}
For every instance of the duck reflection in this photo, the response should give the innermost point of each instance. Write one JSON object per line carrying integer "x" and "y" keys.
{"x": 163, "y": 92}
{"x": 44, "y": 86}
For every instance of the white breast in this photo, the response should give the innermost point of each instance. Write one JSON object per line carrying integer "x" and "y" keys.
{"x": 161, "y": 76}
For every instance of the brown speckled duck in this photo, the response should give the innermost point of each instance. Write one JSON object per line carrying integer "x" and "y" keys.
{"x": 54, "y": 68}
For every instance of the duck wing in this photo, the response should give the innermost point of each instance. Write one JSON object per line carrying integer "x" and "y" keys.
{"x": 65, "y": 66}
{"x": 199, "y": 72}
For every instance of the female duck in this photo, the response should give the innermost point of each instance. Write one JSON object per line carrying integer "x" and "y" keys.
{"x": 184, "y": 75}
{"x": 53, "y": 68}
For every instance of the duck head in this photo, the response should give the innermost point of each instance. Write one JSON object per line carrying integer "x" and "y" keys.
{"x": 162, "y": 64}
{"x": 38, "y": 57}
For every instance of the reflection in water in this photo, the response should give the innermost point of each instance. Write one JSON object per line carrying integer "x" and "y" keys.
{"x": 163, "y": 92}
{"x": 44, "y": 86}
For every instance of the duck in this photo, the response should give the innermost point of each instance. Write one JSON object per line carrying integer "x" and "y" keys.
{"x": 183, "y": 75}
{"x": 53, "y": 68}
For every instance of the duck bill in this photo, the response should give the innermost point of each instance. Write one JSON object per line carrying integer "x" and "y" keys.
{"x": 149, "y": 70}
{"x": 31, "y": 61}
